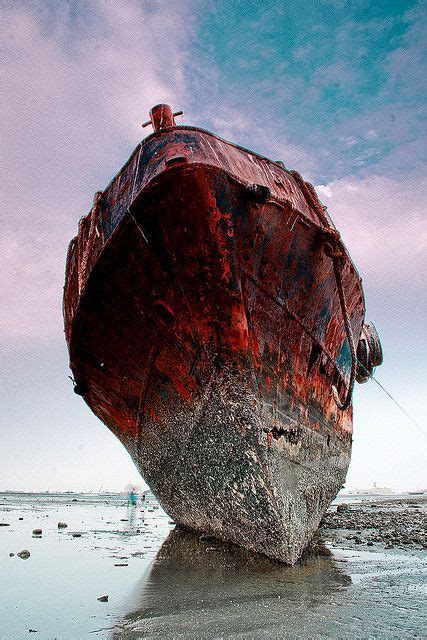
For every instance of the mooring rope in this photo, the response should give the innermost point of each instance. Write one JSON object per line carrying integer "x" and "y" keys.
{"x": 393, "y": 399}
{"x": 333, "y": 249}
{"x": 135, "y": 176}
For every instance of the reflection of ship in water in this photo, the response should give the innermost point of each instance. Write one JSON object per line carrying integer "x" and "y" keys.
{"x": 199, "y": 587}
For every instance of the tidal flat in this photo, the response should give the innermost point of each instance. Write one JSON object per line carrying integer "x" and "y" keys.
{"x": 364, "y": 576}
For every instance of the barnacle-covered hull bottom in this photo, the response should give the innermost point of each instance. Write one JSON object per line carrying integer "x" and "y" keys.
{"x": 205, "y": 331}
{"x": 220, "y": 476}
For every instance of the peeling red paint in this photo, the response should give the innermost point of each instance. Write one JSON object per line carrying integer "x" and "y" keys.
{"x": 245, "y": 275}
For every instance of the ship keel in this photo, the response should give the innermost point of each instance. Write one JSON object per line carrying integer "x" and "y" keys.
{"x": 221, "y": 475}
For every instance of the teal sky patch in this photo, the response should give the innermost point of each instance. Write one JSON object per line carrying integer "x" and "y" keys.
{"x": 339, "y": 79}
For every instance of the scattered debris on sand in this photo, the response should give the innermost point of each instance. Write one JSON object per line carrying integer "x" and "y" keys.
{"x": 343, "y": 507}
{"x": 389, "y": 523}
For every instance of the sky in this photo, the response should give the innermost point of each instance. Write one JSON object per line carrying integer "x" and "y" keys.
{"x": 335, "y": 90}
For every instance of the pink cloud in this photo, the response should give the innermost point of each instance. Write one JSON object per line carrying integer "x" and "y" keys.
{"x": 74, "y": 98}
{"x": 383, "y": 222}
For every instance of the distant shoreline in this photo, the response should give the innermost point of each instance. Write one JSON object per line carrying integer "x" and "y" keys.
{"x": 347, "y": 495}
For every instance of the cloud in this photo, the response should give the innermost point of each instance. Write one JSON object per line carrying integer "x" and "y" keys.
{"x": 31, "y": 285}
{"x": 383, "y": 222}
{"x": 75, "y": 91}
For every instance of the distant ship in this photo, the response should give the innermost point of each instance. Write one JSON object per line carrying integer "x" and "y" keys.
{"x": 372, "y": 491}
{"x": 215, "y": 324}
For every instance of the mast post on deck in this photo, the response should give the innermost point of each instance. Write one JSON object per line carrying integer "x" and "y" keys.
{"x": 162, "y": 117}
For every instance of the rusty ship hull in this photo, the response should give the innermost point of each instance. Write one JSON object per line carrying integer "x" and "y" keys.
{"x": 205, "y": 330}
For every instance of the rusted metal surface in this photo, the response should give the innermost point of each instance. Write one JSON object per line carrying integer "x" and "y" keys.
{"x": 162, "y": 117}
{"x": 205, "y": 330}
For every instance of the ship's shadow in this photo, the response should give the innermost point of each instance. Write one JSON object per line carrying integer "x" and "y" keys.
{"x": 198, "y": 587}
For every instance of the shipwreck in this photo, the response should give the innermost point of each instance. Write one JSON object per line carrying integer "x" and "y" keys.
{"x": 215, "y": 323}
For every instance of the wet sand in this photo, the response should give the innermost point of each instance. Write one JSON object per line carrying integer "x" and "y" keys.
{"x": 104, "y": 550}
{"x": 364, "y": 576}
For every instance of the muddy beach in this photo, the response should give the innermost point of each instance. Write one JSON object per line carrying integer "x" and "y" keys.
{"x": 101, "y": 569}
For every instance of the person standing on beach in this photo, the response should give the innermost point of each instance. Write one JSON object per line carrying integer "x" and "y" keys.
{"x": 132, "y": 498}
